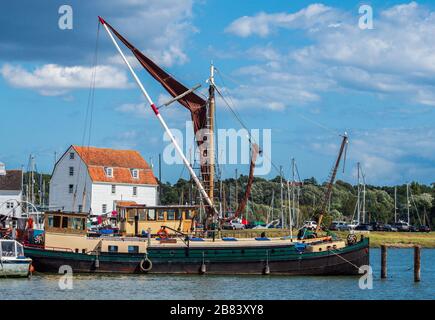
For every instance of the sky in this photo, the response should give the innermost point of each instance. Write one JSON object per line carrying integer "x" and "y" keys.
{"x": 305, "y": 70}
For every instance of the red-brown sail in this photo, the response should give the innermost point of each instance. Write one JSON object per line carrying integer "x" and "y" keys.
{"x": 195, "y": 104}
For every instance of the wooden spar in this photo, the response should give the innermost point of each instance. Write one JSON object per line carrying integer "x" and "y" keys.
{"x": 160, "y": 118}
{"x": 210, "y": 149}
{"x": 331, "y": 182}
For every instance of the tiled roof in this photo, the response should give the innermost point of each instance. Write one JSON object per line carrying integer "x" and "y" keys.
{"x": 11, "y": 181}
{"x": 122, "y": 161}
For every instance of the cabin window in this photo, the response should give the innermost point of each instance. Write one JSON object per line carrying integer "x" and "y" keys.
{"x": 65, "y": 222}
{"x": 131, "y": 214}
{"x": 109, "y": 172}
{"x": 190, "y": 213}
{"x": 71, "y": 188}
{"x": 151, "y": 214}
{"x": 161, "y": 215}
{"x": 77, "y": 223}
{"x": 170, "y": 214}
{"x": 113, "y": 189}
{"x": 112, "y": 249}
{"x": 104, "y": 208}
{"x": 133, "y": 249}
{"x": 56, "y": 221}
{"x": 178, "y": 214}
{"x": 135, "y": 191}
{"x": 20, "y": 250}
{"x": 141, "y": 213}
{"x": 8, "y": 248}
{"x": 71, "y": 171}
{"x": 135, "y": 173}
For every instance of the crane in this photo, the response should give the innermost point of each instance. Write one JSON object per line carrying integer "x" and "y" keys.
{"x": 328, "y": 191}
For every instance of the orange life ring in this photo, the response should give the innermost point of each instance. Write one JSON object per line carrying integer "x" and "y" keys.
{"x": 163, "y": 233}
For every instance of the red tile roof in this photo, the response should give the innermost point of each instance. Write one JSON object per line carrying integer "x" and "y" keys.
{"x": 122, "y": 161}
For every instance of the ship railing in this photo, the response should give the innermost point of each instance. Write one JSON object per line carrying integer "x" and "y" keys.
{"x": 49, "y": 248}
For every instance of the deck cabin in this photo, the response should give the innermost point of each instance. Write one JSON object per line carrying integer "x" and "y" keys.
{"x": 137, "y": 219}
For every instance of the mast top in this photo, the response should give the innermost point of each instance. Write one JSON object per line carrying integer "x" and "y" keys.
{"x": 101, "y": 20}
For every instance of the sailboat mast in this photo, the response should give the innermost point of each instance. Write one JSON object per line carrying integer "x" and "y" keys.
{"x": 282, "y": 199}
{"x": 210, "y": 134}
{"x": 359, "y": 195}
{"x": 407, "y": 200}
{"x": 161, "y": 120}
{"x": 395, "y": 204}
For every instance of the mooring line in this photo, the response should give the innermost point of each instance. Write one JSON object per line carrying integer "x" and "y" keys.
{"x": 345, "y": 260}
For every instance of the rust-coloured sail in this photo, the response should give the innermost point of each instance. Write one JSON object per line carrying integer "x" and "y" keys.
{"x": 242, "y": 204}
{"x": 195, "y": 104}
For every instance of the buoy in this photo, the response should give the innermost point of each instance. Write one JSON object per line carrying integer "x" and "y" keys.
{"x": 266, "y": 270}
{"x": 146, "y": 264}
{"x": 203, "y": 268}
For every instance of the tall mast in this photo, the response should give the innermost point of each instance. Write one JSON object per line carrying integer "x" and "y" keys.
{"x": 282, "y": 198}
{"x": 161, "y": 120}
{"x": 359, "y": 195}
{"x": 395, "y": 204}
{"x": 293, "y": 190}
{"x": 407, "y": 200}
{"x": 210, "y": 134}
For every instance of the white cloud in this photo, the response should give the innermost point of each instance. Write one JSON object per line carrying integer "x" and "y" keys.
{"x": 396, "y": 59}
{"x": 263, "y": 23}
{"x": 161, "y": 28}
{"x": 52, "y": 79}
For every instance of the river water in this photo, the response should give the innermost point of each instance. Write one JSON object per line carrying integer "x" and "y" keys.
{"x": 399, "y": 284}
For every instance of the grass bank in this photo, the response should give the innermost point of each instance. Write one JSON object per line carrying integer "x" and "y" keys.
{"x": 395, "y": 239}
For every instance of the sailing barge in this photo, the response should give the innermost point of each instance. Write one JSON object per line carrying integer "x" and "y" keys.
{"x": 67, "y": 241}
{"x": 69, "y": 244}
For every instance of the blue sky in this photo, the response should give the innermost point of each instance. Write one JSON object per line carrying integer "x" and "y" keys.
{"x": 303, "y": 69}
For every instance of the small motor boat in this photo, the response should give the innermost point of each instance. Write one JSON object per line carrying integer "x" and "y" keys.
{"x": 13, "y": 263}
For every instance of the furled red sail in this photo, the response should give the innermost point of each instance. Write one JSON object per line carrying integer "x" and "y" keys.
{"x": 242, "y": 205}
{"x": 195, "y": 104}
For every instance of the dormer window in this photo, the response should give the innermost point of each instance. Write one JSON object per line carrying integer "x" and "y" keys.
{"x": 135, "y": 173}
{"x": 109, "y": 172}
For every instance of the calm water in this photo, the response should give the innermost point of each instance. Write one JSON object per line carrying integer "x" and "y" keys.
{"x": 399, "y": 284}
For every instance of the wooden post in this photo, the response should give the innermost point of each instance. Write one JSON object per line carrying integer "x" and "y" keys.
{"x": 383, "y": 261}
{"x": 417, "y": 250}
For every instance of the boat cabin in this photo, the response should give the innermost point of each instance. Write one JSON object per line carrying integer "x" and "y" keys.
{"x": 11, "y": 249}
{"x": 137, "y": 219}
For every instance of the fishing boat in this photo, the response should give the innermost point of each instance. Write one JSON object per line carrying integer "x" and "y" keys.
{"x": 13, "y": 263}
{"x": 170, "y": 249}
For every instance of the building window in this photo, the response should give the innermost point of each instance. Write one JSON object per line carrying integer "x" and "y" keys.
{"x": 135, "y": 191}
{"x": 113, "y": 189}
{"x": 71, "y": 188}
{"x": 104, "y": 208}
{"x": 71, "y": 171}
{"x": 109, "y": 172}
{"x": 71, "y": 155}
{"x": 135, "y": 173}
{"x": 9, "y": 205}
{"x": 80, "y": 208}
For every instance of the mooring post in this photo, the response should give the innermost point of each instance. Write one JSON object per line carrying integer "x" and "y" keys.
{"x": 417, "y": 250}
{"x": 383, "y": 261}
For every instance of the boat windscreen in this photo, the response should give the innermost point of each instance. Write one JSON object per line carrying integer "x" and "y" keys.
{"x": 8, "y": 248}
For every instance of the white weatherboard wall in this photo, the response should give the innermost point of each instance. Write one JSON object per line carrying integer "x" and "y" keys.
{"x": 96, "y": 193}
{"x": 102, "y": 194}
{"x": 14, "y": 196}
{"x": 60, "y": 198}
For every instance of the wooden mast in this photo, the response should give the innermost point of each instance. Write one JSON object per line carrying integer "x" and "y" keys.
{"x": 210, "y": 135}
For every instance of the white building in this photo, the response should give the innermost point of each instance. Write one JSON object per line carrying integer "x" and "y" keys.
{"x": 11, "y": 192}
{"x": 89, "y": 179}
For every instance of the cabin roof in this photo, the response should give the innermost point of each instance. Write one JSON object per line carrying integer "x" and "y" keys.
{"x": 122, "y": 162}
{"x": 12, "y": 180}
